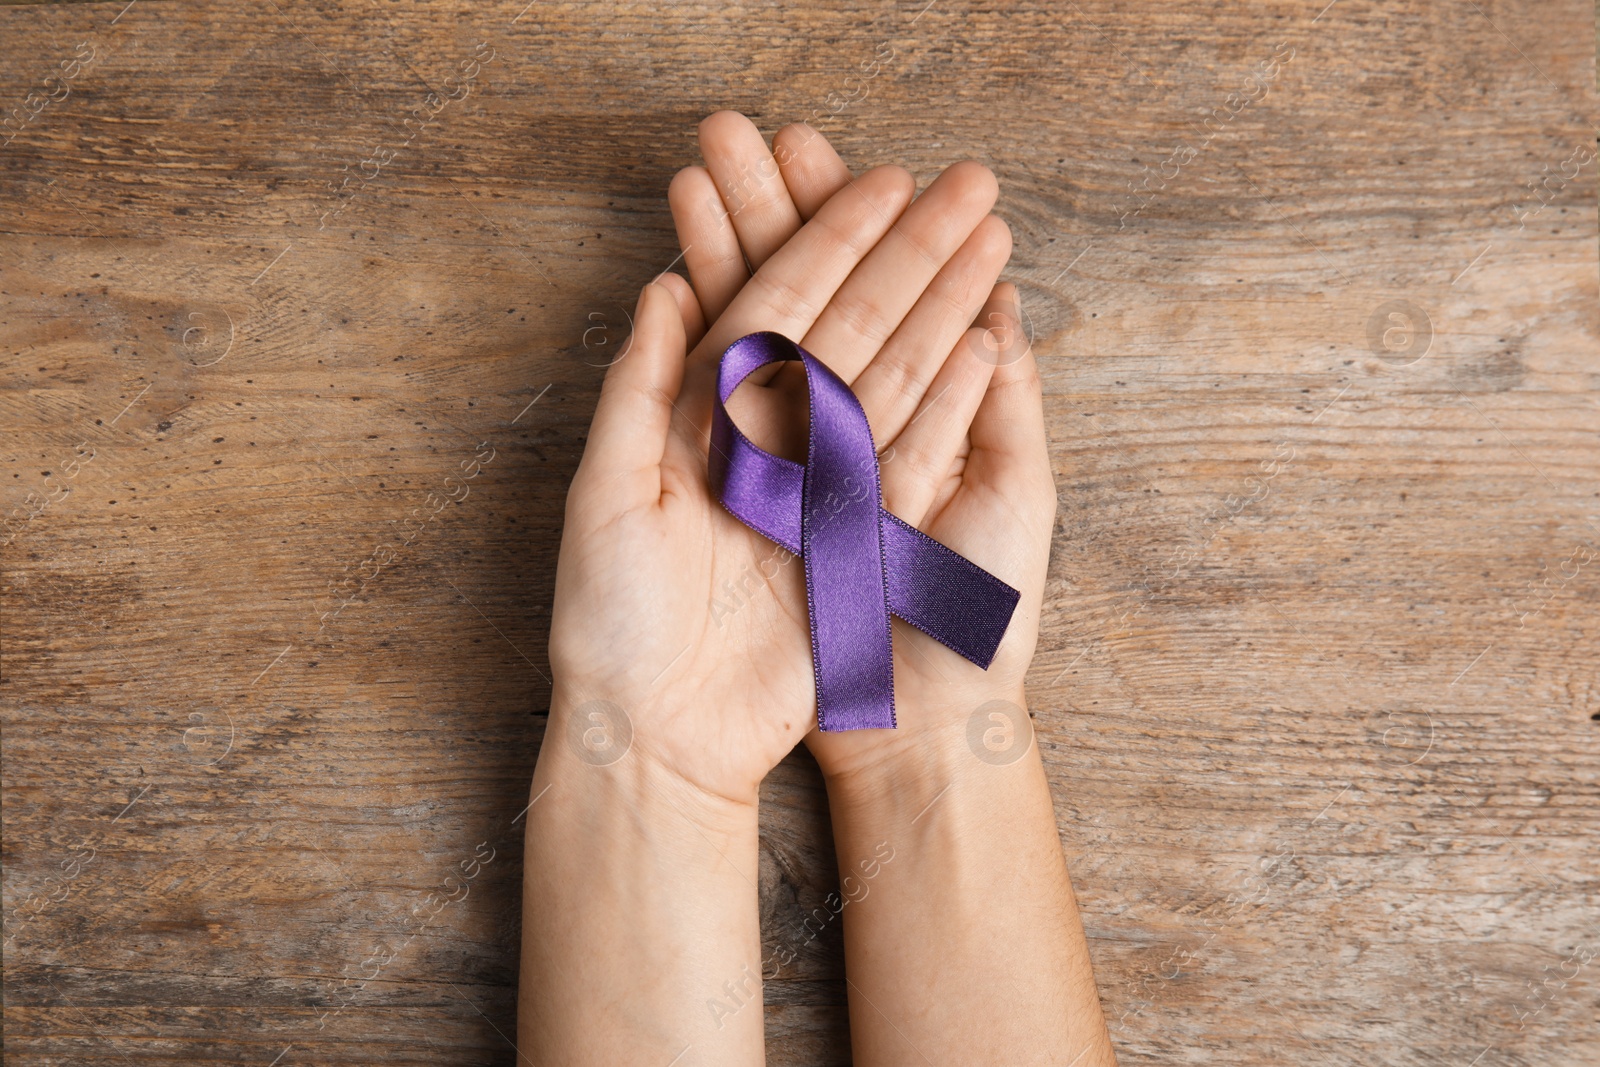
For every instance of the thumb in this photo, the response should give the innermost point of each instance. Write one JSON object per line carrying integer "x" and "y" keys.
{"x": 629, "y": 432}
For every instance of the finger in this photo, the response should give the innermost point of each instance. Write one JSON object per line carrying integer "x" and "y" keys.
{"x": 694, "y": 328}
{"x": 791, "y": 290}
{"x": 896, "y": 380}
{"x": 710, "y": 246}
{"x": 694, "y": 319}
{"x": 923, "y": 456}
{"x": 811, "y": 169}
{"x": 631, "y": 420}
{"x": 750, "y": 182}
{"x": 1008, "y": 429}
{"x": 870, "y": 306}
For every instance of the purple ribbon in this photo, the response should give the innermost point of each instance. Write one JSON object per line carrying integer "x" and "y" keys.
{"x": 861, "y": 563}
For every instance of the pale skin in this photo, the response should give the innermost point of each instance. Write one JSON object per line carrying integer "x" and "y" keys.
{"x": 683, "y": 631}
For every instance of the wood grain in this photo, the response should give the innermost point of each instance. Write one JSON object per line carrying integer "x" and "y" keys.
{"x": 1317, "y": 681}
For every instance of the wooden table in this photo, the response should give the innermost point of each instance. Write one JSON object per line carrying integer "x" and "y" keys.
{"x": 1315, "y": 291}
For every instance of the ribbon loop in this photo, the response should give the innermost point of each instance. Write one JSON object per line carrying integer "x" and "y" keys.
{"x": 861, "y": 563}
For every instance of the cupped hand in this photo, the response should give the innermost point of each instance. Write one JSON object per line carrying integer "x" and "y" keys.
{"x": 696, "y": 627}
{"x": 979, "y": 481}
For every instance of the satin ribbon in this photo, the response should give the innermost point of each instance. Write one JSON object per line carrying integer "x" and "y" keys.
{"x": 861, "y": 563}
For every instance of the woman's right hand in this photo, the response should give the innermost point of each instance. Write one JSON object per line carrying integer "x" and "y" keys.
{"x": 667, "y": 607}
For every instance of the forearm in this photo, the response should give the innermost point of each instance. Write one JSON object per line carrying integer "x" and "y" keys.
{"x": 965, "y": 946}
{"x": 641, "y": 933}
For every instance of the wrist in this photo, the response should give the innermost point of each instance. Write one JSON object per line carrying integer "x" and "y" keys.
{"x": 639, "y": 903}
{"x": 936, "y": 743}
{"x": 969, "y": 799}
{"x": 591, "y": 748}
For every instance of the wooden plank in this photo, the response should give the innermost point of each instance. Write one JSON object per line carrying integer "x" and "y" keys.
{"x": 1316, "y": 678}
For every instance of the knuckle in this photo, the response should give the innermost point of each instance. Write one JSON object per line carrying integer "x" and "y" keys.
{"x": 851, "y": 236}
{"x": 864, "y": 318}
{"x": 922, "y": 243}
{"x": 919, "y": 461}
{"x": 786, "y": 298}
{"x": 719, "y": 257}
{"x": 953, "y": 295}
{"x": 898, "y": 375}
